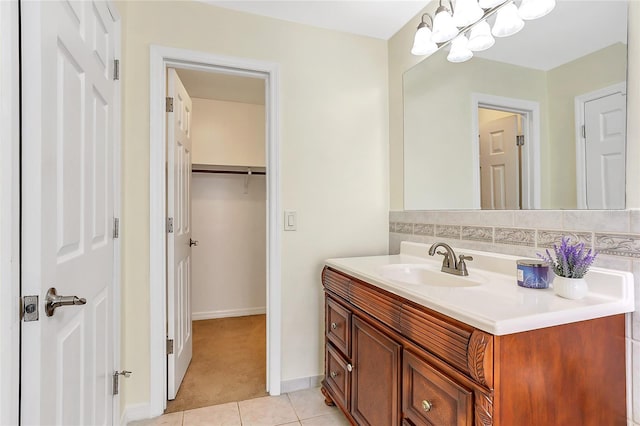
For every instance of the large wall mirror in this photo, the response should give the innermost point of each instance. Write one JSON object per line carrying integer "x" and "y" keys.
{"x": 538, "y": 121}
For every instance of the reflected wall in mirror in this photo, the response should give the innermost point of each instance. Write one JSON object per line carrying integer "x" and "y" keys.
{"x": 560, "y": 73}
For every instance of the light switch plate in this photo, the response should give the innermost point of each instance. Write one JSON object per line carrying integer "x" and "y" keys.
{"x": 290, "y": 220}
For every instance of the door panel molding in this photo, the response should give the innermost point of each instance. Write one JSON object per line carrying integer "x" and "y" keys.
{"x": 161, "y": 58}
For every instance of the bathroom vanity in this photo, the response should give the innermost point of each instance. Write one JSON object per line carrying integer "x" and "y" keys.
{"x": 404, "y": 348}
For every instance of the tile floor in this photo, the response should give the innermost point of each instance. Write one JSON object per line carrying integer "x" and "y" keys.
{"x": 304, "y": 407}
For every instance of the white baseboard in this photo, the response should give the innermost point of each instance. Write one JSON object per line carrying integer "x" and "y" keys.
{"x": 302, "y": 383}
{"x": 135, "y": 412}
{"x": 195, "y": 316}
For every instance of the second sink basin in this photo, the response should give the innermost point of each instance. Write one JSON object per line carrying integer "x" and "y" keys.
{"x": 425, "y": 274}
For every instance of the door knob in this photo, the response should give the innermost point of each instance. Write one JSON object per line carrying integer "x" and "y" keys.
{"x": 53, "y": 301}
{"x": 193, "y": 242}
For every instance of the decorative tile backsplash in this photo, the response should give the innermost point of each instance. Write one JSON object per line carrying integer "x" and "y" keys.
{"x": 477, "y": 233}
{"x": 515, "y": 236}
{"x": 618, "y": 245}
{"x": 548, "y": 238}
{"x": 516, "y": 229}
{"x": 448, "y": 231}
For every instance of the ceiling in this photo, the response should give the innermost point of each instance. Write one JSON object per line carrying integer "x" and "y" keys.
{"x": 222, "y": 87}
{"x": 379, "y": 19}
{"x": 559, "y": 37}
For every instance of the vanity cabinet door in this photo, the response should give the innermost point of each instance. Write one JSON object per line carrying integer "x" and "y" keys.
{"x": 375, "y": 397}
{"x": 338, "y": 377}
{"x": 430, "y": 398}
{"x": 338, "y": 325}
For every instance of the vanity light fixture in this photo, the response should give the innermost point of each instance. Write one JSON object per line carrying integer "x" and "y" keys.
{"x": 422, "y": 42}
{"x": 469, "y": 18}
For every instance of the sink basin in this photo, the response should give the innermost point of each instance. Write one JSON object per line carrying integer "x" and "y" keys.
{"x": 425, "y": 274}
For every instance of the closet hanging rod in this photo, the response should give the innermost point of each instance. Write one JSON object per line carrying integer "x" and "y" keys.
{"x": 228, "y": 172}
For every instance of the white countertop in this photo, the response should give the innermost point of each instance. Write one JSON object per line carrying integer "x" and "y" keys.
{"x": 498, "y": 306}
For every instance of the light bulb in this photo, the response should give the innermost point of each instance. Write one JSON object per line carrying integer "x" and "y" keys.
{"x": 459, "y": 50}
{"x": 466, "y": 13}
{"x": 443, "y": 27}
{"x": 508, "y": 22}
{"x": 480, "y": 37}
{"x": 534, "y": 9}
{"x": 422, "y": 43}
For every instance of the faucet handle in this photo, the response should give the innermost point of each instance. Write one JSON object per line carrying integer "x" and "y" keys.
{"x": 462, "y": 266}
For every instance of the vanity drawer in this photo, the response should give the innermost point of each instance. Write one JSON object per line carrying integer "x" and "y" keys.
{"x": 338, "y": 325}
{"x": 338, "y": 377}
{"x": 431, "y": 398}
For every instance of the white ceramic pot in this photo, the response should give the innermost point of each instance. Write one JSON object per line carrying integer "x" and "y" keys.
{"x": 570, "y": 288}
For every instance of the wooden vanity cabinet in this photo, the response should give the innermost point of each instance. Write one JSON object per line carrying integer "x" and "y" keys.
{"x": 390, "y": 361}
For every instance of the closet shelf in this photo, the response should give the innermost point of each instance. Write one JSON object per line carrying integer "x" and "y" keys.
{"x": 232, "y": 170}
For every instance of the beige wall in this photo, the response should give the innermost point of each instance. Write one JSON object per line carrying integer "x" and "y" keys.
{"x": 605, "y": 68}
{"x": 334, "y": 160}
{"x": 228, "y": 133}
{"x": 400, "y": 60}
{"x": 228, "y": 267}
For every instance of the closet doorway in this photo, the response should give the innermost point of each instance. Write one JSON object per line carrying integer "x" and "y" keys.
{"x": 217, "y": 252}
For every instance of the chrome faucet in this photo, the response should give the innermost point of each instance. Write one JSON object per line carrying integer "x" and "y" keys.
{"x": 451, "y": 264}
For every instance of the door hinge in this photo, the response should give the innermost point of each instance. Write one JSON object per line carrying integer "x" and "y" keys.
{"x": 116, "y": 69}
{"x": 116, "y": 379}
{"x": 584, "y": 131}
{"x": 520, "y": 140}
{"x": 116, "y": 227}
{"x": 30, "y": 308}
{"x": 169, "y": 102}
{"x": 169, "y": 346}
{"x": 170, "y": 225}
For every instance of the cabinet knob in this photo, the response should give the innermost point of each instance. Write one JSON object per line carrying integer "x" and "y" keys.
{"x": 334, "y": 325}
{"x": 426, "y": 405}
{"x": 349, "y": 368}
{"x": 334, "y": 374}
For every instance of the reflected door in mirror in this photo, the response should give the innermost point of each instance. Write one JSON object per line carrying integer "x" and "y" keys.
{"x": 605, "y": 134}
{"x": 499, "y": 163}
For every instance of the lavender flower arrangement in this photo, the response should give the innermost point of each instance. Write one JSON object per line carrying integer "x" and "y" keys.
{"x": 571, "y": 260}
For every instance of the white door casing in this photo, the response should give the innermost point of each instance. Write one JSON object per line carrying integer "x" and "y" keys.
{"x": 178, "y": 243}
{"x": 161, "y": 58}
{"x": 69, "y": 117}
{"x": 605, "y": 128}
{"x": 530, "y": 161}
{"x": 499, "y": 164}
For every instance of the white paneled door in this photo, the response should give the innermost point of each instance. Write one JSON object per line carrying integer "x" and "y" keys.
{"x": 179, "y": 233}
{"x": 68, "y": 109}
{"x": 499, "y": 164}
{"x": 605, "y": 135}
